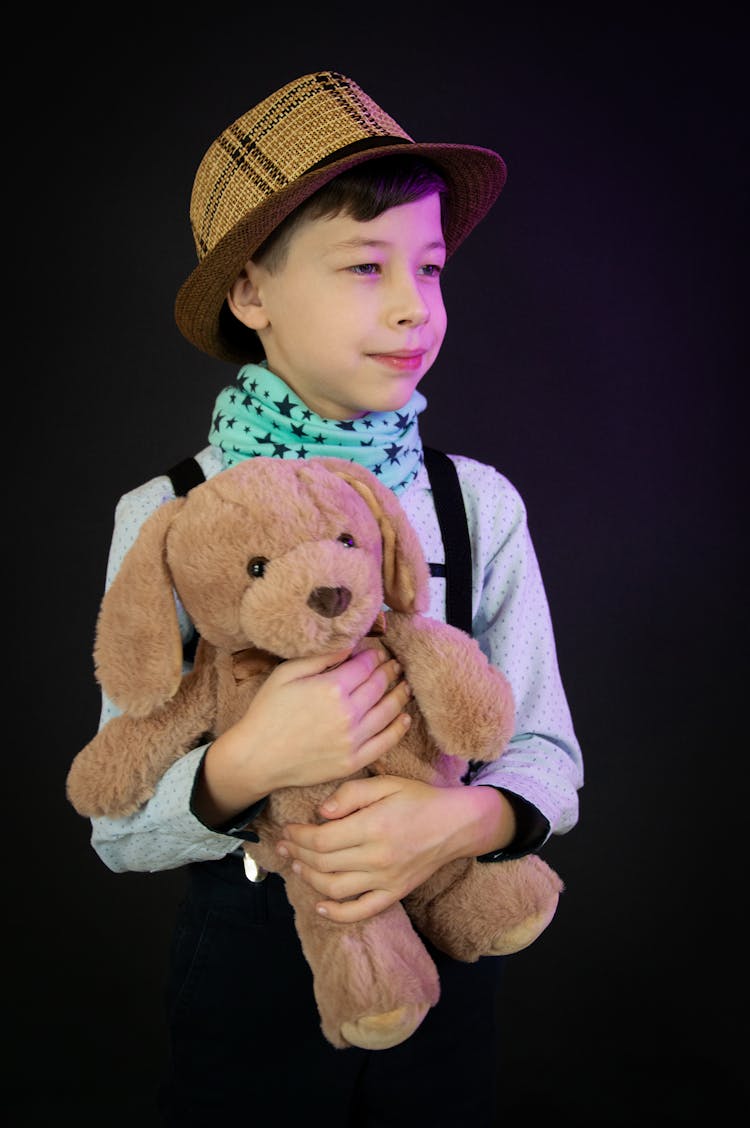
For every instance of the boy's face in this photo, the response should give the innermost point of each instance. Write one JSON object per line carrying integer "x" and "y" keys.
{"x": 354, "y": 318}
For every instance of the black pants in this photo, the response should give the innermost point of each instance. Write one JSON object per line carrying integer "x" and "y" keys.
{"x": 245, "y": 1035}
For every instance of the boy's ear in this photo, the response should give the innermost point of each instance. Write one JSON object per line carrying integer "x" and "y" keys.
{"x": 244, "y": 300}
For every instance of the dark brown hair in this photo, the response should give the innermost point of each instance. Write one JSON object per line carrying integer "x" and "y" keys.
{"x": 363, "y": 192}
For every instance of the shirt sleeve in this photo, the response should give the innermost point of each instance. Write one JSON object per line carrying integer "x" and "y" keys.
{"x": 512, "y": 624}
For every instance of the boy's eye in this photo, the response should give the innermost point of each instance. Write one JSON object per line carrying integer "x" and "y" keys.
{"x": 365, "y": 268}
{"x": 256, "y": 566}
{"x": 348, "y": 540}
{"x": 432, "y": 270}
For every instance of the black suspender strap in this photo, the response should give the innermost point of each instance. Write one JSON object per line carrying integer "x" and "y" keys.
{"x": 451, "y": 514}
{"x": 454, "y": 529}
{"x": 185, "y": 475}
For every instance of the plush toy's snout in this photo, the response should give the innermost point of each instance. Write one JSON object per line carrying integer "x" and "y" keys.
{"x": 316, "y": 597}
{"x": 329, "y": 601}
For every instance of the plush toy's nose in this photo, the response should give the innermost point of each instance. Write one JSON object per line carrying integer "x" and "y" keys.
{"x": 329, "y": 601}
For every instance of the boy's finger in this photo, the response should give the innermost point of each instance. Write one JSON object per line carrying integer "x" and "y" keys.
{"x": 368, "y": 905}
{"x": 357, "y": 668}
{"x": 295, "y": 668}
{"x": 355, "y": 794}
{"x": 376, "y": 686}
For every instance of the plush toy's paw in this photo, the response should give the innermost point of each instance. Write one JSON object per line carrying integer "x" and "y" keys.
{"x": 518, "y": 937}
{"x": 95, "y": 788}
{"x": 470, "y": 909}
{"x": 381, "y": 1031}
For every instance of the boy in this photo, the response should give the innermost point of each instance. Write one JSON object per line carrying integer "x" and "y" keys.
{"x": 322, "y": 230}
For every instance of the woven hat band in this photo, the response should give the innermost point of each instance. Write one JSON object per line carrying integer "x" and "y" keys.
{"x": 297, "y": 129}
{"x": 357, "y": 147}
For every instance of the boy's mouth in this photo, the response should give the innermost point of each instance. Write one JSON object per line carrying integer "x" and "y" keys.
{"x": 403, "y": 360}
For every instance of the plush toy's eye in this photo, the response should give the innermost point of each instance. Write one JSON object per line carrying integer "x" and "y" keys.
{"x": 348, "y": 540}
{"x": 257, "y": 566}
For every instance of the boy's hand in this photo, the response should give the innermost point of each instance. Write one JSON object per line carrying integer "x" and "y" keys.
{"x": 386, "y": 835}
{"x": 313, "y": 720}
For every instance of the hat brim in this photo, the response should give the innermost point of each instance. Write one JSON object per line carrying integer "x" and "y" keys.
{"x": 475, "y": 179}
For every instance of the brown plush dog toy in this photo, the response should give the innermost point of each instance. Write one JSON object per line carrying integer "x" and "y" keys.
{"x": 272, "y": 560}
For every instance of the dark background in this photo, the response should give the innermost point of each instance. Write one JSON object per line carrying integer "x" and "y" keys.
{"x": 593, "y": 355}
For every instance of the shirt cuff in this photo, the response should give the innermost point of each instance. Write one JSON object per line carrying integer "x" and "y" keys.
{"x": 532, "y": 830}
{"x": 237, "y": 825}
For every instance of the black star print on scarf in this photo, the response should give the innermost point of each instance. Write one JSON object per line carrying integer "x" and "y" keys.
{"x": 260, "y": 416}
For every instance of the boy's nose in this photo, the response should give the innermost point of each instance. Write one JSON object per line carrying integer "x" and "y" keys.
{"x": 408, "y": 306}
{"x": 417, "y": 316}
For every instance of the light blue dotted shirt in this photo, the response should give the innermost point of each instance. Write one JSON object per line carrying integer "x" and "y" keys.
{"x": 512, "y": 625}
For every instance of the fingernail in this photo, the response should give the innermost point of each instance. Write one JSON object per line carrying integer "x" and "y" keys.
{"x": 405, "y": 720}
{"x": 281, "y": 849}
{"x": 297, "y": 867}
{"x": 330, "y": 805}
{"x": 322, "y": 910}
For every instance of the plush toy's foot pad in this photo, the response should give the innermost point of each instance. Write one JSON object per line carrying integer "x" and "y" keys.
{"x": 518, "y": 938}
{"x": 381, "y": 1031}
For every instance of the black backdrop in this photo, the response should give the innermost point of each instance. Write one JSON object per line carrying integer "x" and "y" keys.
{"x": 593, "y": 355}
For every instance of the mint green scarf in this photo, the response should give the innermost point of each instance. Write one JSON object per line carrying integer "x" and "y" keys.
{"x": 260, "y": 415}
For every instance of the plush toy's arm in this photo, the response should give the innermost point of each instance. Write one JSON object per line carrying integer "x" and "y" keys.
{"x": 467, "y": 704}
{"x": 117, "y": 771}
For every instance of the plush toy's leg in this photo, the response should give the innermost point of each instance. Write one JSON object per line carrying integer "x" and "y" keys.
{"x": 374, "y": 980}
{"x": 472, "y": 909}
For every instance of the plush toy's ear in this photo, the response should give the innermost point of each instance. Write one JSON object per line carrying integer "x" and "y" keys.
{"x": 138, "y": 648}
{"x": 405, "y": 571}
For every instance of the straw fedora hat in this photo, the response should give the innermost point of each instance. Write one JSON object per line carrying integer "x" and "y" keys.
{"x": 271, "y": 160}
